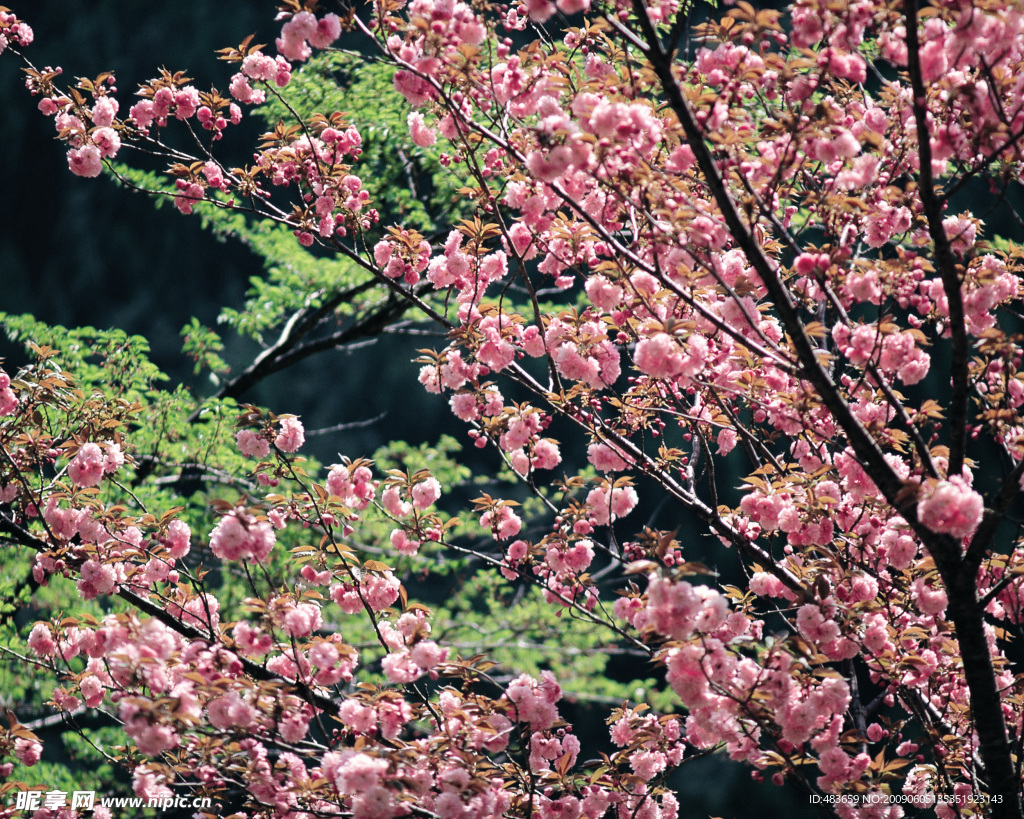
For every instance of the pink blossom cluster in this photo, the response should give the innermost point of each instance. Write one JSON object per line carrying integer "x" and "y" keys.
{"x": 657, "y": 745}
{"x": 895, "y": 353}
{"x": 13, "y": 30}
{"x": 677, "y": 610}
{"x": 950, "y": 506}
{"x": 315, "y": 164}
{"x": 8, "y": 400}
{"x": 181, "y": 101}
{"x": 354, "y": 486}
{"x": 303, "y": 31}
{"x": 410, "y": 654}
{"x": 373, "y": 590}
{"x": 582, "y": 353}
{"x": 608, "y": 502}
{"x": 240, "y": 535}
{"x": 452, "y": 25}
{"x": 533, "y": 701}
{"x": 784, "y": 511}
{"x": 562, "y": 572}
{"x": 93, "y": 461}
{"x": 398, "y": 261}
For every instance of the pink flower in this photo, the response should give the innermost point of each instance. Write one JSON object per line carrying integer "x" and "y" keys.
{"x": 87, "y": 467}
{"x": 393, "y": 504}
{"x": 292, "y": 42}
{"x": 282, "y": 72}
{"x": 229, "y": 712}
{"x": 540, "y": 10}
{"x": 814, "y": 626}
{"x": 427, "y": 654}
{"x": 659, "y": 356}
{"x": 107, "y": 140}
{"x": 28, "y": 751}
{"x": 726, "y": 441}
{"x": 239, "y": 536}
{"x": 152, "y": 739}
{"x": 178, "y": 538}
{"x": 360, "y": 773}
{"x": 934, "y": 62}
{"x": 292, "y": 435}
{"x": 97, "y": 578}
{"x": 252, "y": 444}
{"x": 605, "y": 458}
{"x": 85, "y": 161}
{"x": 259, "y": 66}
{"x": 186, "y": 102}
{"x": 950, "y": 507}
{"x": 41, "y": 640}
{"x": 323, "y": 655}
{"x": 251, "y": 642}
{"x": 240, "y": 89}
{"x": 549, "y": 167}
{"x": 421, "y": 134}
{"x": 104, "y": 111}
{"x": 399, "y": 667}
{"x": 678, "y": 609}
{"x": 416, "y": 90}
{"x": 360, "y": 718}
{"x": 534, "y": 702}
{"x": 607, "y": 505}
{"x": 930, "y": 599}
{"x": 328, "y": 29}
{"x": 425, "y": 493}
{"x": 188, "y": 194}
{"x": 142, "y": 114}
{"x": 93, "y": 690}
{"x": 848, "y": 66}
{"x": 380, "y": 590}
{"x": 502, "y": 521}
{"x": 302, "y": 620}
{"x": 648, "y": 764}
{"x": 8, "y": 400}
{"x": 402, "y": 543}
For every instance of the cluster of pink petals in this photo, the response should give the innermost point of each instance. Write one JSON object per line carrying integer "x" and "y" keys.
{"x": 8, "y": 400}
{"x": 13, "y": 30}
{"x": 252, "y": 444}
{"x": 608, "y": 504}
{"x": 533, "y": 701}
{"x": 304, "y": 30}
{"x": 291, "y": 435}
{"x": 93, "y": 461}
{"x": 355, "y": 487}
{"x": 378, "y": 590}
{"x": 240, "y": 536}
{"x": 950, "y": 507}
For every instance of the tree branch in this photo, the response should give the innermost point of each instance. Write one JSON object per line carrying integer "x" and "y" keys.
{"x": 945, "y": 263}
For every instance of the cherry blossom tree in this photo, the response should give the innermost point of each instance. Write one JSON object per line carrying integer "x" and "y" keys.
{"x": 682, "y": 249}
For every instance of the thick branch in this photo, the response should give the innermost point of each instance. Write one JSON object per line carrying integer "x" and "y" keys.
{"x": 999, "y": 775}
{"x": 256, "y": 672}
{"x": 994, "y": 515}
{"x": 946, "y": 551}
{"x": 288, "y": 350}
{"x": 863, "y": 445}
{"x": 944, "y": 261}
